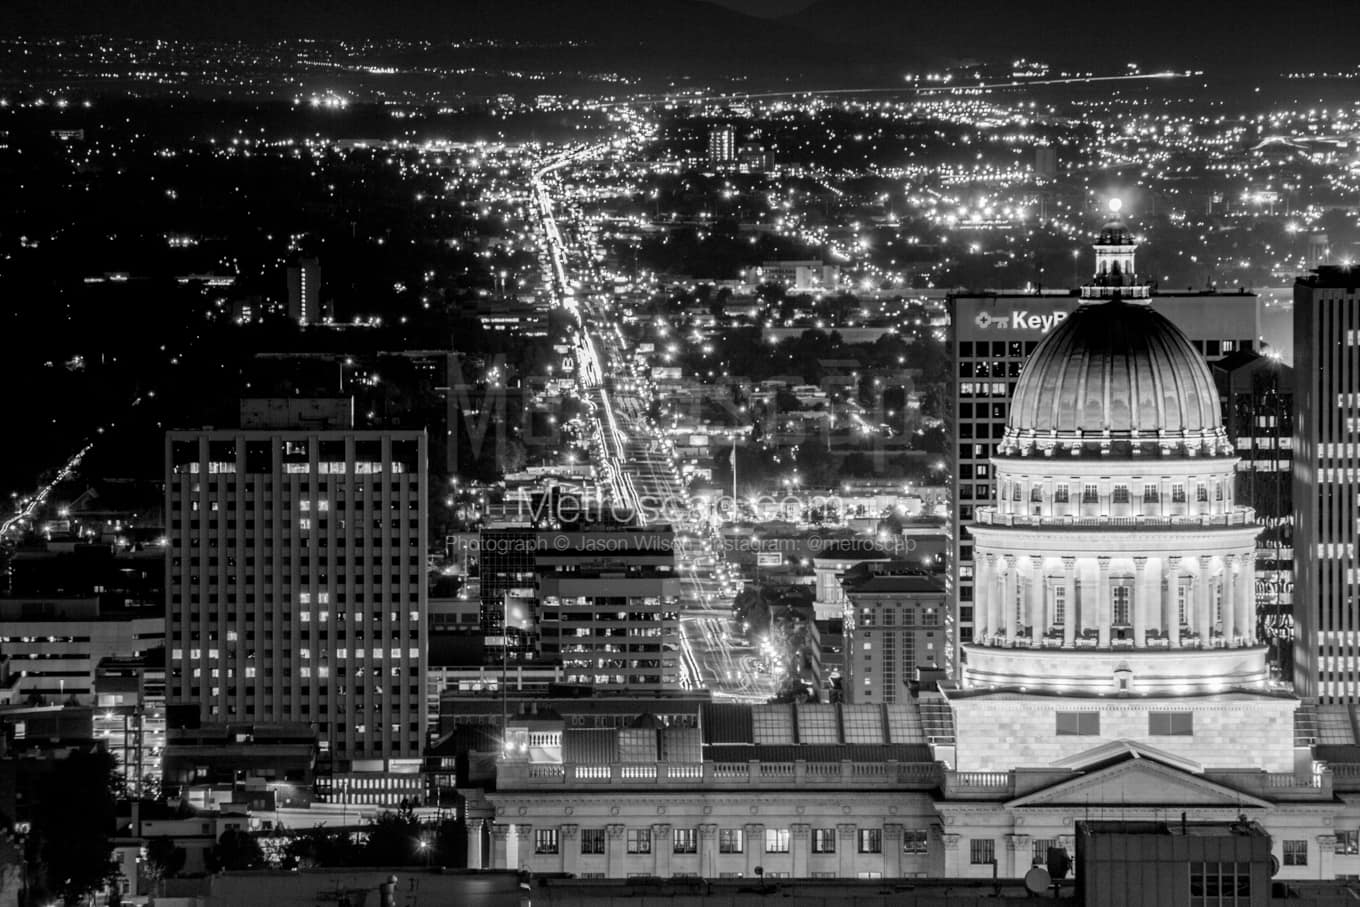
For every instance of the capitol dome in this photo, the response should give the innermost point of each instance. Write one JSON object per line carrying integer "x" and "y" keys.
{"x": 1115, "y": 378}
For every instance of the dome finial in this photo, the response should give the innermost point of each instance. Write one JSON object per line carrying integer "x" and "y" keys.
{"x": 1116, "y": 205}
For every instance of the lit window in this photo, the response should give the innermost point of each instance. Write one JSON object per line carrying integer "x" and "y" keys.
{"x": 776, "y": 840}
{"x": 731, "y": 840}
{"x": 824, "y": 840}
{"x": 545, "y": 840}
{"x": 871, "y": 840}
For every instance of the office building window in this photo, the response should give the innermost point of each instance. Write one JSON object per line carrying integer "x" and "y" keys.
{"x": 1214, "y": 884}
{"x": 1090, "y": 494}
{"x": 639, "y": 840}
{"x": 982, "y": 851}
{"x": 915, "y": 841}
{"x": 731, "y": 840}
{"x": 1150, "y": 494}
{"x": 1296, "y": 853}
{"x": 824, "y": 840}
{"x": 776, "y": 840}
{"x": 1041, "y": 846}
{"x": 592, "y": 840}
{"x": 871, "y": 840}
{"x": 1121, "y": 494}
{"x": 1059, "y": 605}
{"x": 545, "y": 840}
{"x": 1348, "y": 842}
{"x": 1061, "y": 494}
{"x": 1178, "y": 493}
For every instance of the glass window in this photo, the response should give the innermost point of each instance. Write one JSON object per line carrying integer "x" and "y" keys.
{"x": 1122, "y": 602}
{"x": 1061, "y": 493}
{"x": 1171, "y": 724}
{"x": 545, "y": 840}
{"x": 1150, "y": 494}
{"x": 1121, "y": 494}
{"x": 1059, "y": 605}
{"x": 1078, "y": 724}
{"x": 1296, "y": 853}
{"x": 1041, "y": 846}
{"x": 639, "y": 840}
{"x": 915, "y": 841}
{"x": 982, "y": 851}
{"x": 776, "y": 840}
{"x": 592, "y": 840}
{"x": 684, "y": 840}
{"x": 824, "y": 840}
{"x": 871, "y": 840}
{"x": 1348, "y": 842}
{"x": 731, "y": 840}
{"x": 1178, "y": 493}
{"x": 1090, "y": 494}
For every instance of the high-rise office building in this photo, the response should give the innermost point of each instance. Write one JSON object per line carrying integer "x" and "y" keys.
{"x": 722, "y": 145}
{"x": 894, "y": 624}
{"x": 1258, "y": 403}
{"x": 610, "y": 606}
{"x": 992, "y": 334}
{"x": 296, "y": 588}
{"x": 304, "y": 291}
{"x": 1327, "y": 485}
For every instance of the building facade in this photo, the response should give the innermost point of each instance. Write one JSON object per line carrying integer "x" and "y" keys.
{"x": 296, "y": 584}
{"x": 991, "y": 336}
{"x": 894, "y": 624}
{"x": 1326, "y": 478}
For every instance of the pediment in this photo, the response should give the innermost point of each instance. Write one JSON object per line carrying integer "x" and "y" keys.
{"x": 1138, "y": 780}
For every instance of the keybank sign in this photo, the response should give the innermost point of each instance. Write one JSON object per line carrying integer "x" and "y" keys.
{"x": 1019, "y": 320}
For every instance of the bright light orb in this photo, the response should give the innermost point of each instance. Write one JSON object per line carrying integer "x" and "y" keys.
{"x": 1116, "y": 204}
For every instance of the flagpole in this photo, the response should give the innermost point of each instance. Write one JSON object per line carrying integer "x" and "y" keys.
{"x": 505, "y": 651}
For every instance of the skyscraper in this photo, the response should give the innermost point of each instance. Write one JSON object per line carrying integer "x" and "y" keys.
{"x": 992, "y": 334}
{"x": 722, "y": 145}
{"x": 296, "y": 584}
{"x": 1326, "y": 478}
{"x": 304, "y": 291}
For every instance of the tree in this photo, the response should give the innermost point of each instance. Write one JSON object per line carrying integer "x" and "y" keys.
{"x": 73, "y": 821}
{"x": 236, "y": 850}
{"x": 393, "y": 838}
{"x": 164, "y": 859}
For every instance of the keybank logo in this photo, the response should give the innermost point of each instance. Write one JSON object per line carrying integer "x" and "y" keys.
{"x": 1020, "y": 320}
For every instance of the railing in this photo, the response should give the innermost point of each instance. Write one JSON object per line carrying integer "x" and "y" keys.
{"x": 545, "y": 738}
{"x": 753, "y": 774}
{"x": 965, "y": 785}
{"x": 988, "y": 516}
{"x": 1289, "y": 779}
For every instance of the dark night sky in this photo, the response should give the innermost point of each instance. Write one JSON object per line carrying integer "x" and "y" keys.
{"x": 766, "y": 8}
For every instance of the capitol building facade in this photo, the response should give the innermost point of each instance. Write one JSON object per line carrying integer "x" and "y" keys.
{"x": 1114, "y": 672}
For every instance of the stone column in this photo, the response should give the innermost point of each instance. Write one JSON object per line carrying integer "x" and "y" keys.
{"x": 982, "y": 599}
{"x": 1204, "y": 601}
{"x": 1071, "y": 618}
{"x": 755, "y": 848}
{"x": 1173, "y": 583}
{"x": 1103, "y": 616}
{"x": 1246, "y": 597}
{"x": 1229, "y": 595}
{"x": 474, "y": 844}
{"x": 615, "y": 856}
{"x": 662, "y": 847}
{"x": 953, "y": 868}
{"x": 499, "y": 835}
{"x": 1038, "y": 601}
{"x": 892, "y": 851}
{"x": 1142, "y": 601}
{"x": 845, "y": 850}
{"x": 1019, "y": 855}
{"x": 524, "y": 846}
{"x": 1009, "y": 571}
{"x": 708, "y": 850}
{"x": 568, "y": 847}
{"x": 800, "y": 848}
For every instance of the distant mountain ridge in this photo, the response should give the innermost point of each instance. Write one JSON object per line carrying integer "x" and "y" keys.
{"x": 1154, "y": 33}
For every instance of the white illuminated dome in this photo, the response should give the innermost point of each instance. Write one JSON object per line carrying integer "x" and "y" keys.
{"x": 1114, "y": 558}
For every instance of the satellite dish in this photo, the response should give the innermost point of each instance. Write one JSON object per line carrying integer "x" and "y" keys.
{"x": 1274, "y": 866}
{"x": 1037, "y": 880}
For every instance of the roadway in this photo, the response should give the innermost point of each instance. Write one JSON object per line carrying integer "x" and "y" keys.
{"x": 635, "y": 460}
